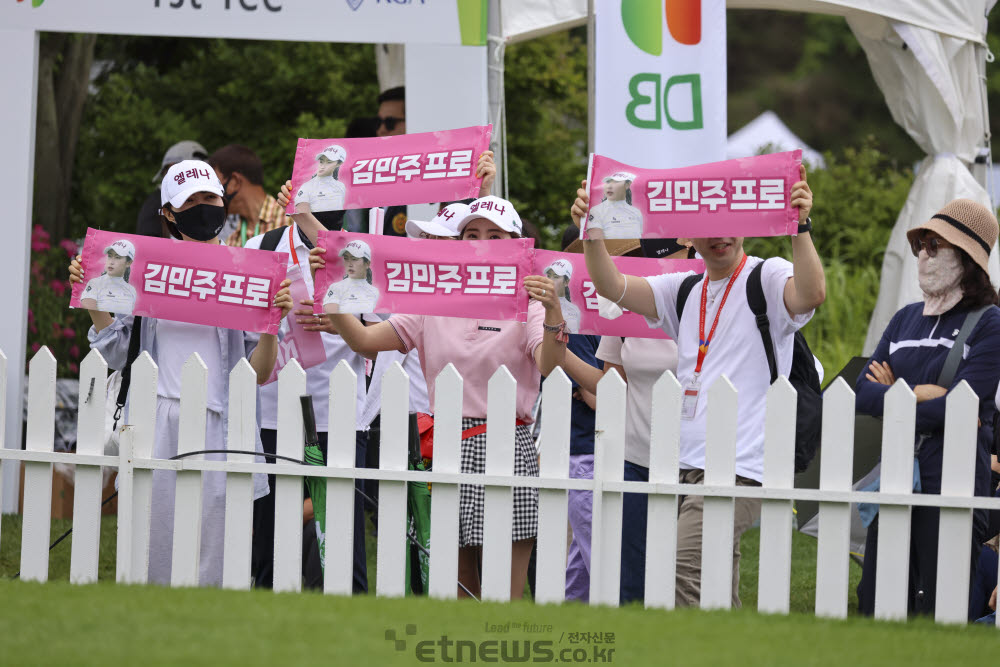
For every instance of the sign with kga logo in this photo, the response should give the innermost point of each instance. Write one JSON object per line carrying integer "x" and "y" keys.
{"x": 660, "y": 98}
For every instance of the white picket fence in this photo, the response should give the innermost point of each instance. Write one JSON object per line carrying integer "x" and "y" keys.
{"x": 135, "y": 465}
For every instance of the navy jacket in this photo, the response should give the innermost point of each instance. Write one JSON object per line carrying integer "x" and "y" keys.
{"x": 916, "y": 347}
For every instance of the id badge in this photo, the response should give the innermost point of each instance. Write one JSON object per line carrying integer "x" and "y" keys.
{"x": 689, "y": 400}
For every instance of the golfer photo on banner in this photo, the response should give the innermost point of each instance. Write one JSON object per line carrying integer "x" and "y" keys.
{"x": 744, "y": 197}
{"x": 111, "y": 292}
{"x": 355, "y": 294}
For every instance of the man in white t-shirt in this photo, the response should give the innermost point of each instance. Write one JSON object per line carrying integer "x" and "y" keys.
{"x": 793, "y": 290}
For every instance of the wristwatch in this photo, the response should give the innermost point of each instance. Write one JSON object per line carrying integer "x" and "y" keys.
{"x": 807, "y": 226}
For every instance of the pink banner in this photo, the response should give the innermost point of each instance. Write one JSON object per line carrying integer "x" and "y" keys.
{"x": 183, "y": 281}
{"x": 294, "y": 342}
{"x": 470, "y": 279}
{"x": 390, "y": 274}
{"x": 746, "y": 197}
{"x": 579, "y": 298}
{"x": 430, "y": 167}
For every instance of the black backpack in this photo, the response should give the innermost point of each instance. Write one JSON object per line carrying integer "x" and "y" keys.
{"x": 803, "y": 376}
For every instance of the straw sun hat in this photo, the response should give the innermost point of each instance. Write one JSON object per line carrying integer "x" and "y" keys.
{"x": 965, "y": 224}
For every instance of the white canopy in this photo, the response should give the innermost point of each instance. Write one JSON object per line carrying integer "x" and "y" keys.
{"x": 768, "y": 131}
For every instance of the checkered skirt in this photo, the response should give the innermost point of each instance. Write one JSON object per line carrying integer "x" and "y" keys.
{"x": 472, "y": 497}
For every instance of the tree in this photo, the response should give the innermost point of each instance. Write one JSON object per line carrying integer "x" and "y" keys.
{"x": 64, "y": 65}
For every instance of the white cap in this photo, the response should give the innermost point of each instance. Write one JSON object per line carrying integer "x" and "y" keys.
{"x": 561, "y": 267}
{"x": 498, "y": 211}
{"x": 182, "y": 150}
{"x": 333, "y": 153}
{"x": 186, "y": 178}
{"x": 357, "y": 249}
{"x": 620, "y": 176}
{"x": 122, "y": 248}
{"x": 445, "y": 223}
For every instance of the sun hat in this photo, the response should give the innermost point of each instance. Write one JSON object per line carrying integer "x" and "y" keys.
{"x": 616, "y": 247}
{"x": 182, "y": 150}
{"x": 333, "y": 153}
{"x": 122, "y": 248}
{"x": 187, "y": 177}
{"x": 620, "y": 176}
{"x": 498, "y": 211}
{"x": 442, "y": 224}
{"x": 965, "y": 224}
{"x": 358, "y": 249}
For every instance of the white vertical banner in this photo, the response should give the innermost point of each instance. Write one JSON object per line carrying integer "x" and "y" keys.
{"x": 660, "y": 81}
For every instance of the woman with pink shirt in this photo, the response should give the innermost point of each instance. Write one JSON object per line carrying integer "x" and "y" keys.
{"x": 477, "y": 348}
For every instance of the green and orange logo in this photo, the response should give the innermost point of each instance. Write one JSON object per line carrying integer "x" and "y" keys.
{"x": 644, "y": 26}
{"x": 34, "y": 3}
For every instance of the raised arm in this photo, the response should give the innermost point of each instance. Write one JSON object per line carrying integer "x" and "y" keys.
{"x": 806, "y": 289}
{"x": 367, "y": 341}
{"x": 630, "y": 292}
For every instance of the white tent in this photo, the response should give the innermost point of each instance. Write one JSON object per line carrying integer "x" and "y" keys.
{"x": 768, "y": 131}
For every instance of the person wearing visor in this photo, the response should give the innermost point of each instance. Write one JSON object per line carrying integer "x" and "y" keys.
{"x": 110, "y": 292}
{"x": 560, "y": 272}
{"x": 354, "y": 294}
{"x": 320, "y": 200}
{"x": 952, "y": 250}
{"x": 193, "y": 211}
{"x": 477, "y": 348}
{"x": 615, "y": 217}
{"x": 444, "y": 225}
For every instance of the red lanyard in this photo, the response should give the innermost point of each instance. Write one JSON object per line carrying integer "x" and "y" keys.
{"x": 291, "y": 244}
{"x": 702, "y": 341}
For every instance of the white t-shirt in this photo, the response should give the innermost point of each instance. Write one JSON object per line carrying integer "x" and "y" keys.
{"x": 113, "y": 295}
{"x": 645, "y": 360}
{"x": 736, "y": 351}
{"x": 317, "y": 377}
{"x": 618, "y": 219}
{"x": 353, "y": 295}
{"x": 324, "y": 193}
{"x": 571, "y": 313}
{"x": 175, "y": 343}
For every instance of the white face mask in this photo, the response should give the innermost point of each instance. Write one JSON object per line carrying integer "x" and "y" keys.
{"x": 939, "y": 279}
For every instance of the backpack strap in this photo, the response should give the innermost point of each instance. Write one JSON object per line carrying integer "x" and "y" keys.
{"x": 758, "y": 306}
{"x": 134, "y": 342}
{"x": 954, "y": 357}
{"x": 685, "y": 289}
{"x": 272, "y": 238}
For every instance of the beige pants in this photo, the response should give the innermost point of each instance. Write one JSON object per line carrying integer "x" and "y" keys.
{"x": 689, "y": 525}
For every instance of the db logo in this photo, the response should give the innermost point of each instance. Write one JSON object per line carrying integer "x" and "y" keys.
{"x": 643, "y": 24}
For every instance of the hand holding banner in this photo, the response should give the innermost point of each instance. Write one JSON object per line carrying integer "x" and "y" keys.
{"x": 294, "y": 341}
{"x": 745, "y": 197}
{"x": 338, "y": 174}
{"x": 184, "y": 281}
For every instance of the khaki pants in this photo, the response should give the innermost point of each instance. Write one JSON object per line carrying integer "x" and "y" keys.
{"x": 689, "y": 538}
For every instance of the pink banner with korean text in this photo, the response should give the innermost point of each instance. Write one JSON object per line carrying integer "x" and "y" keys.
{"x": 429, "y": 167}
{"x": 745, "y": 197}
{"x": 578, "y": 296}
{"x": 184, "y": 281}
{"x": 389, "y": 274}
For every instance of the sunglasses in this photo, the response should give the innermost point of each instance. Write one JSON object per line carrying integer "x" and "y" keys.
{"x": 931, "y": 245}
{"x": 390, "y": 122}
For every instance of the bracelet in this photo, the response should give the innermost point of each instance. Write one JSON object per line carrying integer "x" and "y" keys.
{"x": 558, "y": 329}
{"x": 618, "y": 302}
{"x": 806, "y": 226}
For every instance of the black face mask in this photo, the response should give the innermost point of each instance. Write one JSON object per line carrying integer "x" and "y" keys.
{"x": 228, "y": 196}
{"x": 202, "y": 222}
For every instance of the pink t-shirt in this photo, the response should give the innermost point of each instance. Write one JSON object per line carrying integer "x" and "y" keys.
{"x": 477, "y": 348}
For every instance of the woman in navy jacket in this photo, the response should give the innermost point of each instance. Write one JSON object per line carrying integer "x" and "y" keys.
{"x": 952, "y": 252}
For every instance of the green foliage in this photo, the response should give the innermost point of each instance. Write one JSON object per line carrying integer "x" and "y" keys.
{"x": 546, "y": 89}
{"x": 856, "y": 201}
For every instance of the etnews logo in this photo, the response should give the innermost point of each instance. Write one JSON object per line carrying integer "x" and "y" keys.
{"x": 34, "y": 3}
{"x": 643, "y": 22}
{"x": 445, "y": 649}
